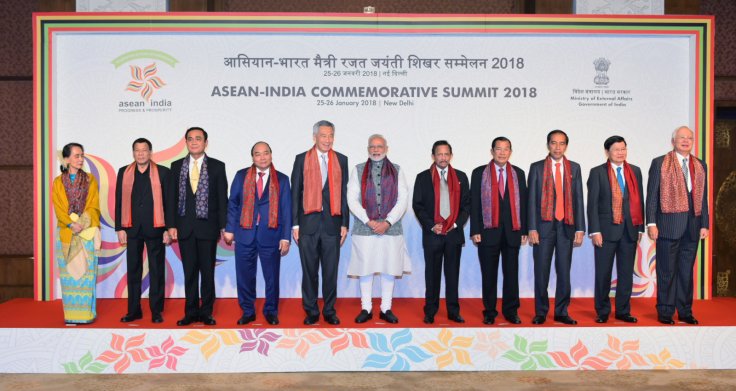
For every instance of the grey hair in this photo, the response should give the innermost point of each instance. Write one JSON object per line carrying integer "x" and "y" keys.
{"x": 375, "y": 136}
{"x": 319, "y": 124}
{"x": 674, "y": 133}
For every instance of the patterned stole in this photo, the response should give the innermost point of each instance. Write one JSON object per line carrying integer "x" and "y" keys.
{"x": 617, "y": 196}
{"x": 453, "y": 186}
{"x": 312, "y": 197}
{"x": 490, "y": 199}
{"x": 389, "y": 190}
{"x": 76, "y": 192}
{"x": 548, "y": 191}
{"x": 126, "y": 212}
{"x": 249, "y": 198}
{"x": 673, "y": 189}
{"x": 201, "y": 193}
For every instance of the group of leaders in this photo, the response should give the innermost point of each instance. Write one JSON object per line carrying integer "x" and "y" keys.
{"x": 264, "y": 211}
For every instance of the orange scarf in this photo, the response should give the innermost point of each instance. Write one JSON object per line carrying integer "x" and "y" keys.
{"x": 249, "y": 198}
{"x": 312, "y": 199}
{"x": 158, "y": 205}
{"x": 673, "y": 189}
{"x": 617, "y": 196}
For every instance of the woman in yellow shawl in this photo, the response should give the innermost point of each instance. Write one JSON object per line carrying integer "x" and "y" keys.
{"x": 77, "y": 207}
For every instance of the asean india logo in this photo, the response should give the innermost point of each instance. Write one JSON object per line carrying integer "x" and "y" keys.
{"x": 145, "y": 80}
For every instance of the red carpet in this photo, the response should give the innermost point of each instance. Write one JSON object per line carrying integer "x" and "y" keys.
{"x": 27, "y": 313}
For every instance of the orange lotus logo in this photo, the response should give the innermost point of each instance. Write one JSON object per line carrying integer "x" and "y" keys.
{"x": 144, "y": 79}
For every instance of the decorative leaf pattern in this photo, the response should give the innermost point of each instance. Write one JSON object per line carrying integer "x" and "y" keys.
{"x": 530, "y": 356}
{"x": 490, "y": 343}
{"x": 449, "y": 349}
{"x": 395, "y": 353}
{"x": 144, "y": 81}
{"x": 211, "y": 341}
{"x": 123, "y": 352}
{"x": 257, "y": 339}
{"x": 167, "y": 354}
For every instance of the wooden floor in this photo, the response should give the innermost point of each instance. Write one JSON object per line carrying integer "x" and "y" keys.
{"x": 710, "y": 380}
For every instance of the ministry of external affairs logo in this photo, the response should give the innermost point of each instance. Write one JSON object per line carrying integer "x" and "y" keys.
{"x": 601, "y": 67}
{"x": 144, "y": 73}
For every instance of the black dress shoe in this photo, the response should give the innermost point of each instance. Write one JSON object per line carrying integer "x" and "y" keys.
{"x": 246, "y": 319}
{"x": 157, "y": 318}
{"x": 456, "y": 318}
{"x": 332, "y": 319}
{"x": 428, "y": 319}
{"x": 538, "y": 319}
{"x": 689, "y": 319}
{"x": 363, "y": 316}
{"x": 389, "y": 317}
{"x": 627, "y": 318}
{"x": 565, "y": 319}
{"x": 311, "y": 319}
{"x": 602, "y": 319}
{"x": 187, "y": 320}
{"x": 488, "y": 319}
{"x": 272, "y": 319}
{"x": 514, "y": 319}
{"x": 208, "y": 320}
{"x": 665, "y": 320}
{"x": 130, "y": 318}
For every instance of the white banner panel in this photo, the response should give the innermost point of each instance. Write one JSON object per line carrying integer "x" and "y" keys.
{"x": 111, "y": 88}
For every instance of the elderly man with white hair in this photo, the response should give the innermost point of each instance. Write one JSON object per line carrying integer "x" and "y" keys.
{"x": 378, "y": 198}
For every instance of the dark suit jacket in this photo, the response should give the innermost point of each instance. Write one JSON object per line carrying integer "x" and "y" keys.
{"x": 142, "y": 204}
{"x": 536, "y": 174}
{"x": 208, "y": 229}
{"x": 492, "y": 236}
{"x": 673, "y": 225}
{"x": 423, "y": 205}
{"x": 310, "y": 223}
{"x": 266, "y": 236}
{"x": 600, "y": 199}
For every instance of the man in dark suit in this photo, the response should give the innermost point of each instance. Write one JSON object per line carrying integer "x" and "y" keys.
{"x": 498, "y": 226}
{"x": 259, "y": 220}
{"x": 196, "y": 216}
{"x": 556, "y": 224}
{"x": 677, "y": 220}
{"x": 442, "y": 205}
{"x": 615, "y": 226}
{"x": 139, "y": 220}
{"x": 321, "y": 219}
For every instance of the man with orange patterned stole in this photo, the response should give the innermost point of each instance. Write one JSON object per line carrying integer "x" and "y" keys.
{"x": 320, "y": 219}
{"x": 677, "y": 220}
{"x": 139, "y": 220}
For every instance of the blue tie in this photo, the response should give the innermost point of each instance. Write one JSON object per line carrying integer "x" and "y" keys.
{"x": 620, "y": 179}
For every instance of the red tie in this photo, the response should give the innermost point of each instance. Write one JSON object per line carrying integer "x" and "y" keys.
{"x": 259, "y": 189}
{"x": 501, "y": 189}
{"x": 559, "y": 197}
{"x": 259, "y": 184}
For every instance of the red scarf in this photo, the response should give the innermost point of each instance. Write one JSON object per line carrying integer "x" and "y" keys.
{"x": 249, "y": 198}
{"x": 126, "y": 213}
{"x": 312, "y": 198}
{"x": 673, "y": 189}
{"x": 76, "y": 191}
{"x": 617, "y": 196}
{"x": 548, "y": 191}
{"x": 490, "y": 198}
{"x": 453, "y": 187}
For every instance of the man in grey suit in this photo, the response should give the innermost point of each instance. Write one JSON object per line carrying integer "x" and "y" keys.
{"x": 556, "y": 224}
{"x": 677, "y": 220}
{"x": 615, "y": 226}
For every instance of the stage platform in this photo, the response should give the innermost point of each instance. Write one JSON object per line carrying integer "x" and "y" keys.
{"x": 34, "y": 339}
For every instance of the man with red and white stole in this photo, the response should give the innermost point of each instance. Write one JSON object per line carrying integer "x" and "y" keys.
{"x": 139, "y": 220}
{"x": 442, "y": 205}
{"x": 320, "y": 219}
{"x": 259, "y": 222}
{"x": 677, "y": 220}
{"x": 615, "y": 226}
{"x": 498, "y": 226}
{"x": 556, "y": 224}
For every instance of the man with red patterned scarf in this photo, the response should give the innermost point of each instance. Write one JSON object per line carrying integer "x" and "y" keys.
{"x": 139, "y": 221}
{"x": 556, "y": 224}
{"x": 320, "y": 219}
{"x": 442, "y": 205}
{"x": 498, "y": 226}
{"x": 259, "y": 221}
{"x": 615, "y": 226}
{"x": 677, "y": 220}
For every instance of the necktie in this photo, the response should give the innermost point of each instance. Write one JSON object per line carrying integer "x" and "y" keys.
{"x": 620, "y": 178}
{"x": 686, "y": 171}
{"x": 559, "y": 197}
{"x": 444, "y": 197}
{"x": 501, "y": 188}
{"x": 194, "y": 177}
{"x": 323, "y": 168}
{"x": 259, "y": 184}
